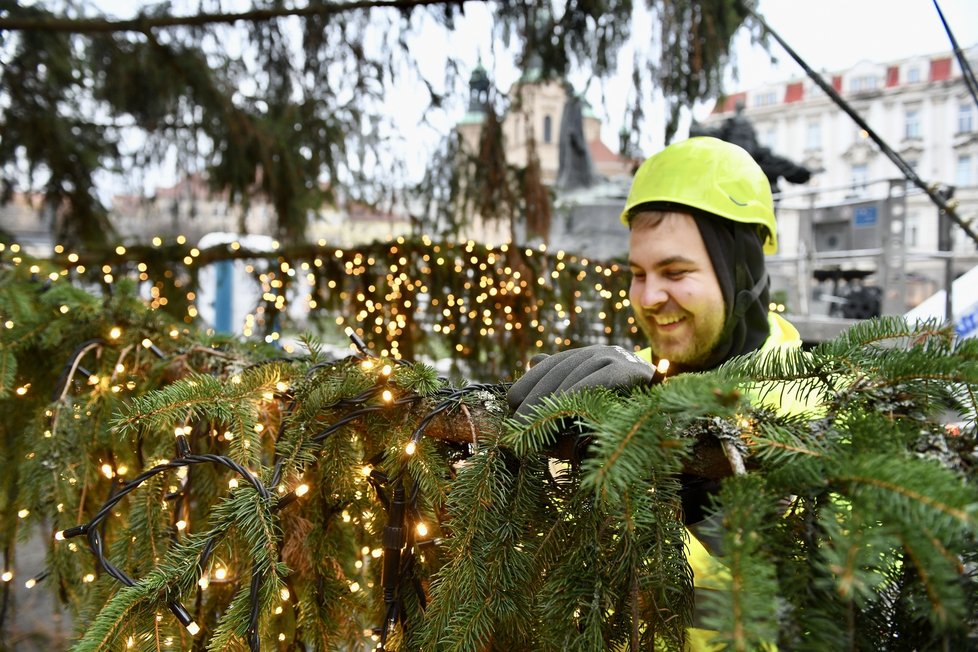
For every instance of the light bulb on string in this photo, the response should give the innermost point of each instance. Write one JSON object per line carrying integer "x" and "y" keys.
{"x": 149, "y": 346}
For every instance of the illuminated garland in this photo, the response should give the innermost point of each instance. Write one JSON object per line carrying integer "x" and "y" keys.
{"x": 491, "y": 307}
{"x": 399, "y": 535}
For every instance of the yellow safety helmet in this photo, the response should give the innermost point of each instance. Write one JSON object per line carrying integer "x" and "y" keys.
{"x": 709, "y": 174}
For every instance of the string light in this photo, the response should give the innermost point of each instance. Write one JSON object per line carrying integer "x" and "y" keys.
{"x": 149, "y": 346}
{"x": 302, "y": 489}
{"x": 184, "y": 617}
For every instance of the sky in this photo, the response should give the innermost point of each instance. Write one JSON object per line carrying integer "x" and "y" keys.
{"x": 835, "y": 34}
{"x": 830, "y": 35}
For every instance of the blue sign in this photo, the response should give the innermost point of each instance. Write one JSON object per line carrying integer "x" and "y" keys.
{"x": 967, "y": 323}
{"x": 864, "y": 216}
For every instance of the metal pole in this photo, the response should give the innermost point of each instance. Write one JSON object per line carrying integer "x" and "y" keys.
{"x": 944, "y": 244}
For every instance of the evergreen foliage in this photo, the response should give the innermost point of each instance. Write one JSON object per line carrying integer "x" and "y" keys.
{"x": 853, "y": 528}
{"x": 298, "y": 111}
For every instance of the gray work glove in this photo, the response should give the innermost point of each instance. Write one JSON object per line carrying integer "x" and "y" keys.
{"x": 599, "y": 365}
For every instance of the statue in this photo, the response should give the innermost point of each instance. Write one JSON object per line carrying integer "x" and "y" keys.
{"x": 738, "y": 130}
{"x": 575, "y": 169}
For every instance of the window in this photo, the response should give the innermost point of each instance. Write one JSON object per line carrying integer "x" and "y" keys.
{"x": 859, "y": 176}
{"x": 962, "y": 172}
{"x": 548, "y": 129}
{"x": 767, "y": 98}
{"x": 964, "y": 118}
{"x": 913, "y": 75}
{"x": 813, "y": 135}
{"x": 913, "y": 230}
{"x": 863, "y": 83}
{"x": 768, "y": 137}
{"x": 911, "y": 124}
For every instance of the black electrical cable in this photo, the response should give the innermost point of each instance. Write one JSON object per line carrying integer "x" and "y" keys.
{"x": 75, "y": 356}
{"x": 96, "y": 545}
{"x": 966, "y": 72}
{"x": 908, "y": 172}
{"x": 396, "y": 535}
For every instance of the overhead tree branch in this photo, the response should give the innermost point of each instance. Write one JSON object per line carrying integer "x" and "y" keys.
{"x": 143, "y": 23}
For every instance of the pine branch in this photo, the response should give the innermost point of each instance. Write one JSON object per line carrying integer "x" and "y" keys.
{"x": 146, "y": 23}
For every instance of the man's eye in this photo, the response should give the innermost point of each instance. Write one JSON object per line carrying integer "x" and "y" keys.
{"x": 638, "y": 276}
{"x": 675, "y": 273}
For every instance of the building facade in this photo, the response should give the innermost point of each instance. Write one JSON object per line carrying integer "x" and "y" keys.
{"x": 584, "y": 219}
{"x": 858, "y": 222}
{"x": 536, "y": 107}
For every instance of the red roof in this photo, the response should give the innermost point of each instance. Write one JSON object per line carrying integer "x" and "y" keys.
{"x": 360, "y": 212}
{"x": 940, "y": 69}
{"x": 600, "y": 152}
{"x": 795, "y": 92}
{"x": 730, "y": 102}
{"x": 892, "y": 76}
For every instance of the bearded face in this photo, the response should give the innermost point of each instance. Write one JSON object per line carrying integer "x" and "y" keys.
{"x": 674, "y": 293}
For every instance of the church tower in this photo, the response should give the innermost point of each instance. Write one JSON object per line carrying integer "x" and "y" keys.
{"x": 470, "y": 126}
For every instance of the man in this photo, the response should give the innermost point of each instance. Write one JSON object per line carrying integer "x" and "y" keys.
{"x": 701, "y": 218}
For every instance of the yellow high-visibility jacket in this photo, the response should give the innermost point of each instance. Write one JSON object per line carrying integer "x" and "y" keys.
{"x": 708, "y": 572}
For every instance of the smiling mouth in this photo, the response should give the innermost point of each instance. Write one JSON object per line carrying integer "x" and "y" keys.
{"x": 666, "y": 321}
